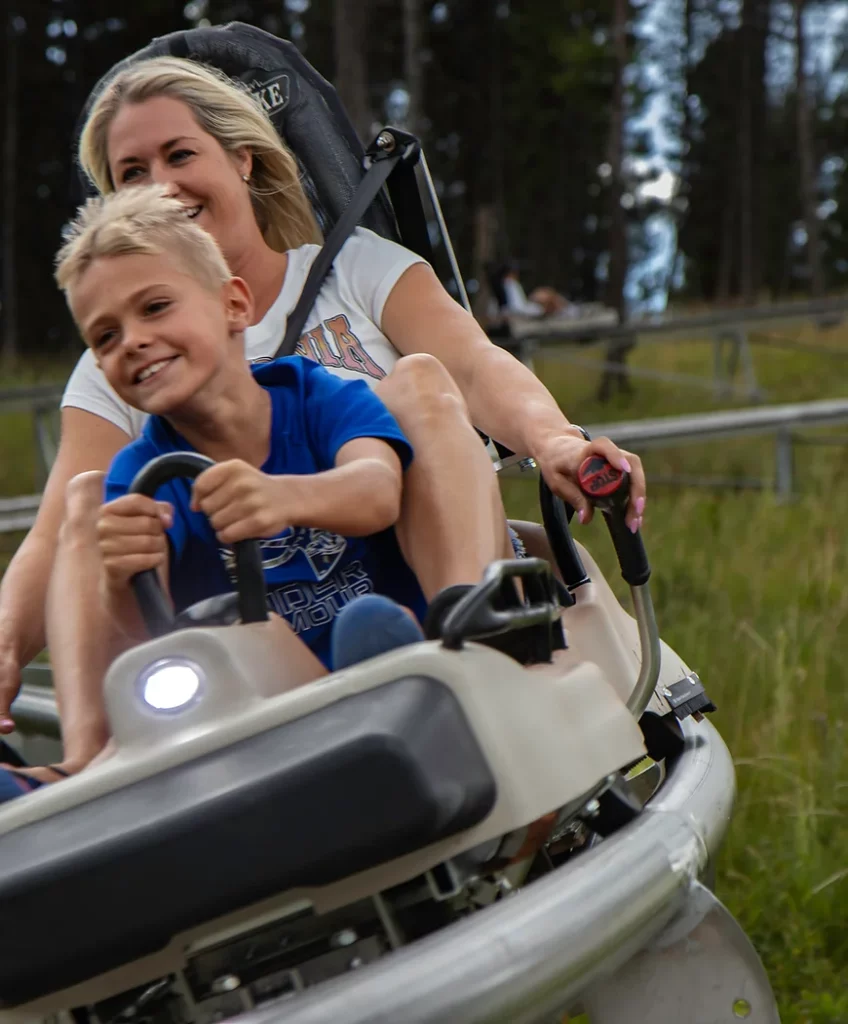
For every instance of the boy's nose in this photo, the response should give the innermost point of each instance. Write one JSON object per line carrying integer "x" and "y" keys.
{"x": 137, "y": 338}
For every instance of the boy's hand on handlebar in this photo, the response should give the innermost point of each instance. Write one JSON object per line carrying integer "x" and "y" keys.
{"x": 561, "y": 457}
{"x": 131, "y": 536}
{"x": 240, "y": 501}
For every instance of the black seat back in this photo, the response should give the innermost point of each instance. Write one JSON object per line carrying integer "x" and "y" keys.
{"x": 302, "y": 105}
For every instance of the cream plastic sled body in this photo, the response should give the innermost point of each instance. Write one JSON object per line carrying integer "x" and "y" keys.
{"x": 550, "y": 735}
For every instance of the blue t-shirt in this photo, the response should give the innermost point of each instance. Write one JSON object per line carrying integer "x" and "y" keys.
{"x": 310, "y": 575}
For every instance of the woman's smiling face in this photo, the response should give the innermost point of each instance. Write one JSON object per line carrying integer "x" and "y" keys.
{"x": 158, "y": 141}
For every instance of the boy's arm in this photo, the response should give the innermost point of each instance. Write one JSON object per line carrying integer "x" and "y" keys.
{"x": 359, "y": 496}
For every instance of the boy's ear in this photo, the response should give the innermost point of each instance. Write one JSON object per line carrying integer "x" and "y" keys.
{"x": 238, "y": 300}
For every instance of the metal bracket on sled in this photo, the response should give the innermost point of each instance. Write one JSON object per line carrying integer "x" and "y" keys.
{"x": 688, "y": 697}
{"x": 701, "y": 969}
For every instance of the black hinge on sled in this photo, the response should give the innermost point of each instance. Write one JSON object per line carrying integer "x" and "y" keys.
{"x": 392, "y": 148}
{"x": 688, "y": 697}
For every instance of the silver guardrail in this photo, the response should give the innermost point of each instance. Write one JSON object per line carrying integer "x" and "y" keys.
{"x": 729, "y": 330}
{"x": 18, "y": 513}
{"x": 34, "y": 709}
{"x": 544, "y": 946}
{"x": 42, "y": 400}
{"x": 549, "y": 331}
{"x": 764, "y": 419}
{"x": 783, "y": 421}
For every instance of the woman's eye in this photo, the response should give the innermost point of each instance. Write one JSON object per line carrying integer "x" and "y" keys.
{"x": 130, "y": 174}
{"x": 180, "y": 155}
{"x": 157, "y": 306}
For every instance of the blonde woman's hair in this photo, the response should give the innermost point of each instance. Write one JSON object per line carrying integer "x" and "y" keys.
{"x": 231, "y": 115}
{"x": 139, "y": 221}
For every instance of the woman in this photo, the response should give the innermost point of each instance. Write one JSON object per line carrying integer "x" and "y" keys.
{"x": 382, "y": 316}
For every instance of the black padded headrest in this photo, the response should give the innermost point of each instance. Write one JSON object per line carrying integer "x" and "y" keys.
{"x": 302, "y": 105}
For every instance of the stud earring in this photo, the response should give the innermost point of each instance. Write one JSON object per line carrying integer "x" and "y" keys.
{"x": 245, "y": 177}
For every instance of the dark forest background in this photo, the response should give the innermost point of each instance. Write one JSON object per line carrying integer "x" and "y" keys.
{"x": 635, "y": 153}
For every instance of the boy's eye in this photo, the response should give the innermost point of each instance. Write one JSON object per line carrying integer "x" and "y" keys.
{"x": 104, "y": 338}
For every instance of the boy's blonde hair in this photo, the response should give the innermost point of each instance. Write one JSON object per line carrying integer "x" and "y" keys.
{"x": 232, "y": 116}
{"x": 142, "y": 220}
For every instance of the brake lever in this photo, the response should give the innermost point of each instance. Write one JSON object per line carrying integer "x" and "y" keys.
{"x": 608, "y": 489}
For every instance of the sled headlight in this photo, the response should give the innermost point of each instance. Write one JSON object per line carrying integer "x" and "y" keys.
{"x": 171, "y": 684}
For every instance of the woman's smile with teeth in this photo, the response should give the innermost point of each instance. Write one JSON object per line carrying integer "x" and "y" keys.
{"x": 148, "y": 371}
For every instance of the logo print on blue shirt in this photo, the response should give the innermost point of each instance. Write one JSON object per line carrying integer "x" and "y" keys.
{"x": 321, "y": 549}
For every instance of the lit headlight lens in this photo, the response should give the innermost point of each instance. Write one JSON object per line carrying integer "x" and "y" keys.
{"x": 170, "y": 684}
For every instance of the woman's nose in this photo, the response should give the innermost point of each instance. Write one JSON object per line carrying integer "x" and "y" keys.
{"x": 162, "y": 175}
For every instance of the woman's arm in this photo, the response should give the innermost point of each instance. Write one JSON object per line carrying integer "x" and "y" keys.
{"x": 504, "y": 398}
{"x": 88, "y": 442}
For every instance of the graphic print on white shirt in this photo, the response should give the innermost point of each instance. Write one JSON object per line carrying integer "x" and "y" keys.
{"x": 334, "y": 345}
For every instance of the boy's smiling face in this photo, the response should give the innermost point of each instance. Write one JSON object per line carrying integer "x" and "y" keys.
{"x": 160, "y": 336}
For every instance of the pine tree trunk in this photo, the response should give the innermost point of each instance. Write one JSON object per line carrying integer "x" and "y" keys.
{"x": 806, "y": 154}
{"x": 746, "y": 156}
{"x": 349, "y": 27}
{"x": 10, "y": 166}
{"x": 412, "y": 71}
{"x": 615, "y": 154}
{"x": 617, "y": 375}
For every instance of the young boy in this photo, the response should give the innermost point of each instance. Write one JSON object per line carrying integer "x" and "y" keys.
{"x": 308, "y": 462}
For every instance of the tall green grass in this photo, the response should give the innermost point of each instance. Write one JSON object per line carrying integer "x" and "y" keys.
{"x": 754, "y": 595}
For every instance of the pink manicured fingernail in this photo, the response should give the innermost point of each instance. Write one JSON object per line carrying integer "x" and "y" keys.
{"x": 634, "y": 526}
{"x": 625, "y": 465}
{"x": 640, "y": 506}
{"x": 581, "y": 515}
{"x": 6, "y": 723}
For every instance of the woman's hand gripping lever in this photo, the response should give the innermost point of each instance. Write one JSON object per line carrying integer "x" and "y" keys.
{"x": 608, "y": 490}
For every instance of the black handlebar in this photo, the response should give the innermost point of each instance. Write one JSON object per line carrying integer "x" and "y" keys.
{"x": 556, "y": 515}
{"x": 475, "y": 616}
{"x": 250, "y": 581}
{"x": 608, "y": 489}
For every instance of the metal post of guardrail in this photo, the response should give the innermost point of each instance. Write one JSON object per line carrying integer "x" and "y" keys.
{"x": 725, "y": 370}
{"x": 749, "y": 371}
{"x": 784, "y": 468}
{"x": 43, "y": 419}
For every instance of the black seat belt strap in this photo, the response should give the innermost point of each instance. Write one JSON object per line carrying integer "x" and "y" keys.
{"x": 374, "y": 179}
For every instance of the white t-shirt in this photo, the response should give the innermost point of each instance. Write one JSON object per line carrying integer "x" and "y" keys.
{"x": 343, "y": 330}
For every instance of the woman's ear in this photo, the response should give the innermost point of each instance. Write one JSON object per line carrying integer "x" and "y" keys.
{"x": 244, "y": 162}
{"x": 238, "y": 300}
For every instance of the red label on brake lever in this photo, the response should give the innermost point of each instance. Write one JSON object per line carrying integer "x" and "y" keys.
{"x": 598, "y": 479}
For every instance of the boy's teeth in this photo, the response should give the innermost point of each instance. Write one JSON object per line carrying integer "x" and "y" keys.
{"x": 149, "y": 370}
{"x": 193, "y": 211}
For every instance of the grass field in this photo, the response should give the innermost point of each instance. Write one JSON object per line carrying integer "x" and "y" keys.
{"x": 754, "y": 596}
